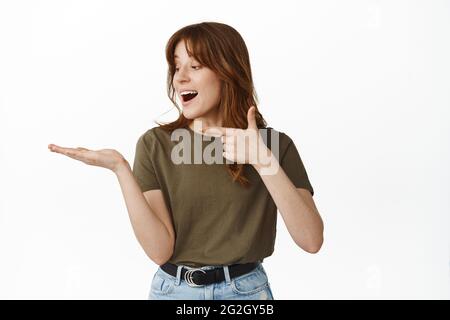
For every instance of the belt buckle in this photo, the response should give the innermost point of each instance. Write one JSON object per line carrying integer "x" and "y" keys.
{"x": 189, "y": 277}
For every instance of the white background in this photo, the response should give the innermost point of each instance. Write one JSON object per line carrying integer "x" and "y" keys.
{"x": 362, "y": 87}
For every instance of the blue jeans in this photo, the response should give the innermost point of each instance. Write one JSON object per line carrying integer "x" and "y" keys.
{"x": 253, "y": 285}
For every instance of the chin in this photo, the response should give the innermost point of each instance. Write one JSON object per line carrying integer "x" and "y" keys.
{"x": 189, "y": 114}
{"x": 192, "y": 113}
{"x": 196, "y": 112}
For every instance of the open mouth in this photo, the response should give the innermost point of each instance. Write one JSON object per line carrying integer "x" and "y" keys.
{"x": 188, "y": 96}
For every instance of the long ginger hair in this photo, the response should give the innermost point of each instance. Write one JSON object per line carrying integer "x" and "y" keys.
{"x": 222, "y": 49}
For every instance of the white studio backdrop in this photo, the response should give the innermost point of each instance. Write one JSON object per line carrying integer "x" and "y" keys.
{"x": 362, "y": 87}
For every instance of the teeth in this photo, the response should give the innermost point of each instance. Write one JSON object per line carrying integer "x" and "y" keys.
{"x": 188, "y": 92}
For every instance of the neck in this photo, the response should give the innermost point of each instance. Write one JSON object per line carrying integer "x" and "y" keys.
{"x": 202, "y": 122}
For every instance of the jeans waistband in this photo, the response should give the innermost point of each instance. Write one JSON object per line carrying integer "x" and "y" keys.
{"x": 207, "y": 274}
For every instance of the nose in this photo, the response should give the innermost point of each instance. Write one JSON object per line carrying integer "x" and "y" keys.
{"x": 182, "y": 75}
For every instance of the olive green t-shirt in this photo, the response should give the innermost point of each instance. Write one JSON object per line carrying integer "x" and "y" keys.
{"x": 216, "y": 221}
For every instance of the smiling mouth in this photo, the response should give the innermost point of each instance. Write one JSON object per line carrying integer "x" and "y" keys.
{"x": 189, "y": 96}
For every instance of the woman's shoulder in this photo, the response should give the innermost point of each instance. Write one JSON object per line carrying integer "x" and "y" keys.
{"x": 277, "y": 141}
{"x": 273, "y": 133}
{"x": 155, "y": 134}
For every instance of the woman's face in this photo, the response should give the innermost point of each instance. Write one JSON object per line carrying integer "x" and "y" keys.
{"x": 191, "y": 76}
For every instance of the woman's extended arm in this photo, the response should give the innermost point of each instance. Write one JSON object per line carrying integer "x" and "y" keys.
{"x": 152, "y": 228}
{"x": 154, "y": 233}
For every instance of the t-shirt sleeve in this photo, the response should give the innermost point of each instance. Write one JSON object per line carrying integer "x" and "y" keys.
{"x": 143, "y": 167}
{"x": 292, "y": 164}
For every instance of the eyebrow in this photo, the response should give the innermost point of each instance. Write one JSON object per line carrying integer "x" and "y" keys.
{"x": 177, "y": 57}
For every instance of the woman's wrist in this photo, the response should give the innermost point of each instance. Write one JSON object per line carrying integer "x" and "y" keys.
{"x": 122, "y": 166}
{"x": 266, "y": 164}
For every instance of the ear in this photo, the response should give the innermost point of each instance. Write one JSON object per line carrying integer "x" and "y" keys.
{"x": 251, "y": 119}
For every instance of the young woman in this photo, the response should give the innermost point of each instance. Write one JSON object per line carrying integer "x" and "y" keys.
{"x": 204, "y": 211}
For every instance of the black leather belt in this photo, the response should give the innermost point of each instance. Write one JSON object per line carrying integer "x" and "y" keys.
{"x": 197, "y": 277}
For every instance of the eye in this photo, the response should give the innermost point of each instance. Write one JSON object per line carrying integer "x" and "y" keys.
{"x": 194, "y": 67}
